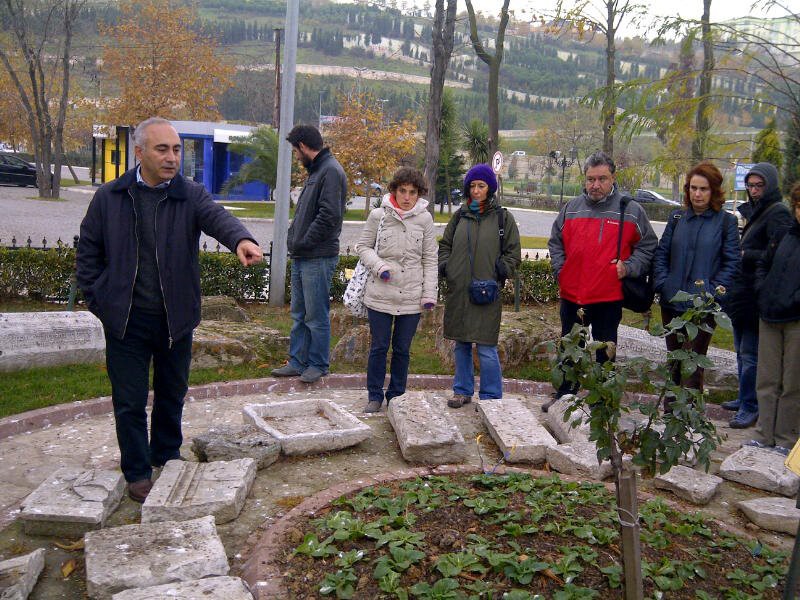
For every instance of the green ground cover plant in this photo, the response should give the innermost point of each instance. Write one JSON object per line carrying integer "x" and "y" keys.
{"x": 513, "y": 536}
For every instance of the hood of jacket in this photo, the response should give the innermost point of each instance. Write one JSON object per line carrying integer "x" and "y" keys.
{"x": 420, "y": 207}
{"x": 769, "y": 174}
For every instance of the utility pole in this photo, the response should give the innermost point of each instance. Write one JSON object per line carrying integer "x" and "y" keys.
{"x": 277, "y": 277}
{"x": 276, "y": 110}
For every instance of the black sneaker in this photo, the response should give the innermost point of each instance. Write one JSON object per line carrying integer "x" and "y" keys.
{"x": 734, "y": 405}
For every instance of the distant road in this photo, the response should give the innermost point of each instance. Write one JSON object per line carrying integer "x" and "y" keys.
{"x": 23, "y": 215}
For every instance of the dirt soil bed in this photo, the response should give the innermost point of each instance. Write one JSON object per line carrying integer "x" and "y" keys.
{"x": 513, "y": 536}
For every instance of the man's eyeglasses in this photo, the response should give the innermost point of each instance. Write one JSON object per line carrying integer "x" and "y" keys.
{"x": 754, "y": 186}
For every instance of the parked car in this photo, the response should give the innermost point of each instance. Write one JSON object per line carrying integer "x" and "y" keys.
{"x": 732, "y": 207}
{"x": 645, "y": 196}
{"x": 518, "y": 153}
{"x": 16, "y": 171}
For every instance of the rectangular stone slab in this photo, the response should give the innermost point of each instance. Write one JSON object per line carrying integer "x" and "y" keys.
{"x": 563, "y": 430}
{"x": 46, "y": 339}
{"x": 72, "y": 501}
{"x": 686, "y": 483}
{"x": 138, "y": 556}
{"x": 222, "y": 588}
{"x": 579, "y": 459}
{"x": 775, "y": 514}
{"x": 187, "y": 490}
{"x": 426, "y": 433}
{"x": 307, "y": 426}
{"x": 19, "y": 575}
{"x": 516, "y": 430}
{"x": 760, "y": 468}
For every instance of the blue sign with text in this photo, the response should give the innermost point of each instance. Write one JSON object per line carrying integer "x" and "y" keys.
{"x": 741, "y": 171}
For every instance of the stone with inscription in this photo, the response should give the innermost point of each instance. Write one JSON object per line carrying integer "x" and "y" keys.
{"x": 19, "y": 575}
{"x": 307, "y": 426}
{"x": 187, "y": 490}
{"x": 72, "y": 501}
{"x": 47, "y": 339}
{"x": 231, "y": 443}
{"x": 638, "y": 343}
{"x": 760, "y": 468}
{"x": 775, "y": 514}
{"x": 562, "y": 430}
{"x": 227, "y": 588}
{"x": 140, "y": 556}
{"x": 688, "y": 484}
{"x": 580, "y": 459}
{"x": 516, "y": 430}
{"x": 426, "y": 433}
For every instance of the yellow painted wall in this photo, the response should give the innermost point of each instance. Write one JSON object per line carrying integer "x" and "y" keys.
{"x": 109, "y": 145}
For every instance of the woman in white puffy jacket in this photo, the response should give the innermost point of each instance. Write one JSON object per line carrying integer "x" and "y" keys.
{"x": 398, "y": 246}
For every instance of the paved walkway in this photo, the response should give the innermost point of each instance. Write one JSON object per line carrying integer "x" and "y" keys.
{"x": 82, "y": 434}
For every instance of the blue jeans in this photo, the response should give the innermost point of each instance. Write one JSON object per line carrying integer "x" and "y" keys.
{"x": 380, "y": 329}
{"x": 745, "y": 341}
{"x": 310, "y": 338}
{"x": 128, "y": 365}
{"x": 491, "y": 376}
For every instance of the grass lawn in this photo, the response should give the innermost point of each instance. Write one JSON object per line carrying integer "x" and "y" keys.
{"x": 37, "y": 388}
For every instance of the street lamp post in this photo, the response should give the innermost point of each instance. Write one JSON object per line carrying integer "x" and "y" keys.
{"x": 564, "y": 162}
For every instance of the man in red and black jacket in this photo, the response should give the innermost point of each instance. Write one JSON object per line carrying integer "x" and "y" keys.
{"x": 583, "y": 253}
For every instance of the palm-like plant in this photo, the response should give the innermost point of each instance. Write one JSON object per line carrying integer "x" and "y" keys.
{"x": 262, "y": 147}
{"x": 476, "y": 141}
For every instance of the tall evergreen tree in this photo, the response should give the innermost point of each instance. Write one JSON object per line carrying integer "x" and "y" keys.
{"x": 768, "y": 146}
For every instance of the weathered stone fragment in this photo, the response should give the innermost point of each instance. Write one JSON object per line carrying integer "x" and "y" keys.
{"x": 19, "y": 575}
{"x": 222, "y": 308}
{"x": 213, "y": 588}
{"x": 775, "y": 514}
{"x": 72, "y": 501}
{"x": 760, "y": 468}
{"x": 187, "y": 490}
{"x": 516, "y": 430}
{"x": 307, "y": 426}
{"x": 426, "y": 433}
{"x": 563, "y": 430}
{"x": 353, "y": 346}
{"x": 686, "y": 483}
{"x": 231, "y": 443}
{"x": 47, "y": 339}
{"x": 579, "y": 459}
{"x": 139, "y": 556}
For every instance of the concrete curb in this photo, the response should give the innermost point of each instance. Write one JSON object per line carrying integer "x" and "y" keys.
{"x": 51, "y": 416}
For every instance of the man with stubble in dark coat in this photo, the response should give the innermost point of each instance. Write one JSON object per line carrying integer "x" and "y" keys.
{"x": 768, "y": 219}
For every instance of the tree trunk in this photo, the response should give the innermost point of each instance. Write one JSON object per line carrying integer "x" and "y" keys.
{"x": 609, "y": 100}
{"x": 702, "y": 120}
{"x": 441, "y": 50}
{"x": 493, "y": 61}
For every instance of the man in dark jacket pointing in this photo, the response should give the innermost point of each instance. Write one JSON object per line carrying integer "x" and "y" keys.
{"x": 313, "y": 242}
{"x": 137, "y": 266}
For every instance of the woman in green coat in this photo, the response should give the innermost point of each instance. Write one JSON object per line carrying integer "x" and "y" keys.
{"x": 469, "y": 251}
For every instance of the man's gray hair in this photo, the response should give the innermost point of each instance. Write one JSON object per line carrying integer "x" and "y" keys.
{"x": 140, "y": 131}
{"x": 598, "y": 159}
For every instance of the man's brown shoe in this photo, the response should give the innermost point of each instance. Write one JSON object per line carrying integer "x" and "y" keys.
{"x": 138, "y": 490}
{"x": 458, "y": 400}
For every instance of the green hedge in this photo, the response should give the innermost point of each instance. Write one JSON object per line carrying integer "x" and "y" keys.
{"x": 45, "y": 275}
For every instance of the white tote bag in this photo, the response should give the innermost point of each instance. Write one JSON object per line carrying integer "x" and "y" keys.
{"x": 353, "y": 297}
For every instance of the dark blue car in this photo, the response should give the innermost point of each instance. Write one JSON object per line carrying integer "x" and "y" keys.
{"x": 16, "y": 171}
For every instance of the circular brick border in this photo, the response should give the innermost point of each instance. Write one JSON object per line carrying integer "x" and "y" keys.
{"x": 62, "y": 413}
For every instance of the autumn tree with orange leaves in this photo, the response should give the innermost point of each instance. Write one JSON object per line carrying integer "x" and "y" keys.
{"x": 367, "y": 144}
{"x": 161, "y": 65}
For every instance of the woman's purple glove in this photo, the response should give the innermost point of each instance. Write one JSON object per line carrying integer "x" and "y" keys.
{"x": 385, "y": 275}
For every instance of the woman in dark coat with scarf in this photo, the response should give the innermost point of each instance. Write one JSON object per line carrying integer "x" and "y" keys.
{"x": 767, "y": 220}
{"x": 470, "y": 249}
{"x": 699, "y": 249}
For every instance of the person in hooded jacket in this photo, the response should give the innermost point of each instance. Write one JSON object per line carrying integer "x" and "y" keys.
{"x": 470, "y": 249}
{"x": 778, "y": 379}
{"x": 699, "y": 248}
{"x": 767, "y": 220}
{"x": 398, "y": 247}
